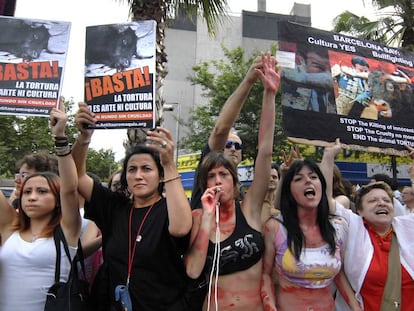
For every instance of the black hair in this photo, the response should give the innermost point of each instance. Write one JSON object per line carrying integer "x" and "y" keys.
{"x": 276, "y": 167}
{"x": 141, "y": 149}
{"x": 289, "y": 210}
{"x": 359, "y": 61}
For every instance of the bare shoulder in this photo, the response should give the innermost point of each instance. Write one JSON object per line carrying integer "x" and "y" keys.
{"x": 271, "y": 226}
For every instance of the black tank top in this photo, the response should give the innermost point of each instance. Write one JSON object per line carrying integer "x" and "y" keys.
{"x": 241, "y": 250}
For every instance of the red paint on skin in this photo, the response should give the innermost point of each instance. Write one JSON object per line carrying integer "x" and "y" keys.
{"x": 228, "y": 295}
{"x": 204, "y": 237}
{"x": 197, "y": 212}
{"x": 266, "y": 229}
{"x": 267, "y": 266}
{"x": 300, "y": 290}
{"x": 341, "y": 289}
{"x": 227, "y": 218}
{"x": 227, "y": 212}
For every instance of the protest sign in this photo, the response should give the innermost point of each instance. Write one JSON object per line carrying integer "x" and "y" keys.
{"x": 32, "y": 61}
{"x": 347, "y": 88}
{"x": 120, "y": 74}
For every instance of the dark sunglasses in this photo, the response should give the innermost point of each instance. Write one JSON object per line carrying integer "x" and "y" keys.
{"x": 230, "y": 143}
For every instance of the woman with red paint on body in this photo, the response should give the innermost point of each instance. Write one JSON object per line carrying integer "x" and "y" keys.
{"x": 226, "y": 240}
{"x": 304, "y": 244}
{"x": 145, "y": 234}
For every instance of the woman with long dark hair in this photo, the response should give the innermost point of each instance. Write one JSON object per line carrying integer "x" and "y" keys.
{"x": 303, "y": 244}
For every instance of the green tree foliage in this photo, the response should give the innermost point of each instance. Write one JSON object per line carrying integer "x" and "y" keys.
{"x": 211, "y": 12}
{"x": 394, "y": 25}
{"x": 101, "y": 163}
{"x": 218, "y": 79}
{"x": 24, "y": 135}
{"x": 21, "y": 136}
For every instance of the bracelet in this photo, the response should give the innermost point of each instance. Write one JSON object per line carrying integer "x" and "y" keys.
{"x": 171, "y": 179}
{"x": 61, "y": 141}
{"x": 85, "y": 143}
{"x": 59, "y": 137}
{"x": 62, "y": 151}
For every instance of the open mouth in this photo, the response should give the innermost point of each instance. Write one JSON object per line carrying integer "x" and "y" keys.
{"x": 381, "y": 212}
{"x": 309, "y": 192}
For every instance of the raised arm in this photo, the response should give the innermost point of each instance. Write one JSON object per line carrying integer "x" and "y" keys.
{"x": 178, "y": 207}
{"x": 83, "y": 118}
{"x": 267, "y": 289}
{"x": 71, "y": 220}
{"x": 231, "y": 108}
{"x": 326, "y": 166}
{"x": 8, "y": 216}
{"x": 284, "y": 167}
{"x": 253, "y": 201}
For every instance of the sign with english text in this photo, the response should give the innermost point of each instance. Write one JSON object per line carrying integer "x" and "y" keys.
{"x": 343, "y": 87}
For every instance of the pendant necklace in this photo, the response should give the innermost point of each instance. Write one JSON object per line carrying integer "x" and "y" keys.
{"x": 122, "y": 291}
{"x": 33, "y": 237}
{"x": 138, "y": 238}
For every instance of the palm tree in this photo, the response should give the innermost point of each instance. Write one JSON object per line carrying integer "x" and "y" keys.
{"x": 212, "y": 12}
{"x": 394, "y": 26}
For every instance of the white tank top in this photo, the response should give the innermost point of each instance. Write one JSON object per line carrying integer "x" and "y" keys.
{"x": 27, "y": 270}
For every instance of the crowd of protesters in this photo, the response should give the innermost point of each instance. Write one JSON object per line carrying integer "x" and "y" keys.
{"x": 297, "y": 239}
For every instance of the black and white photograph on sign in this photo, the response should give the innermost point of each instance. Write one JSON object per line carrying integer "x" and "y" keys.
{"x": 347, "y": 88}
{"x": 26, "y": 40}
{"x": 117, "y": 47}
{"x": 33, "y": 54}
{"x": 120, "y": 74}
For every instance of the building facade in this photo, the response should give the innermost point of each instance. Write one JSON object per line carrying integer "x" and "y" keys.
{"x": 188, "y": 43}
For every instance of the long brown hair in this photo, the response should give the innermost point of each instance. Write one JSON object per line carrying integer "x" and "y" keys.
{"x": 54, "y": 185}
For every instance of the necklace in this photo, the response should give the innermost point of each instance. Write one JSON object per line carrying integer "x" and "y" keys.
{"x": 138, "y": 238}
{"x": 34, "y": 237}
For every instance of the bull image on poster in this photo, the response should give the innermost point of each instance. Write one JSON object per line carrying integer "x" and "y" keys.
{"x": 343, "y": 87}
{"x": 120, "y": 74}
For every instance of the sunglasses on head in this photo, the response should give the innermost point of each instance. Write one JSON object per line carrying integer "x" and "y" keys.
{"x": 230, "y": 143}
{"x": 21, "y": 175}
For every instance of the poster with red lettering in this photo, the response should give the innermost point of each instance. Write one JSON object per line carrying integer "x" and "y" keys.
{"x": 32, "y": 60}
{"x": 120, "y": 74}
{"x": 338, "y": 86}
